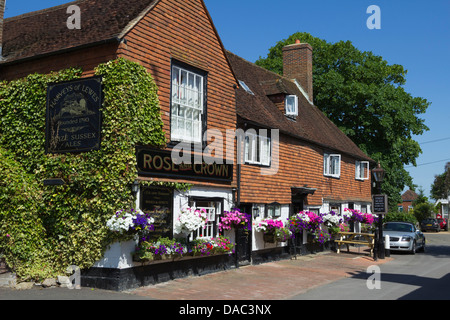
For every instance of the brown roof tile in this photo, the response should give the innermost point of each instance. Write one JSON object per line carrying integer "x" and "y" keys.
{"x": 46, "y": 31}
{"x": 310, "y": 125}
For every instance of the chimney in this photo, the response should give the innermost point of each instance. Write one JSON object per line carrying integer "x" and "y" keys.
{"x": 297, "y": 65}
{"x": 2, "y": 13}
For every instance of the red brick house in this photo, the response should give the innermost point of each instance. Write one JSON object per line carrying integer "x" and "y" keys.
{"x": 408, "y": 197}
{"x": 304, "y": 163}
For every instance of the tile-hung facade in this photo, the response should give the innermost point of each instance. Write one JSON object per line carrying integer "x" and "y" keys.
{"x": 319, "y": 168}
{"x": 203, "y": 87}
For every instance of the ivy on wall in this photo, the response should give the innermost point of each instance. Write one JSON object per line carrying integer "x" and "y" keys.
{"x": 65, "y": 225}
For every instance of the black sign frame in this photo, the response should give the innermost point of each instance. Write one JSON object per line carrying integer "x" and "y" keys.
{"x": 379, "y": 204}
{"x": 158, "y": 202}
{"x": 73, "y": 116}
{"x": 161, "y": 165}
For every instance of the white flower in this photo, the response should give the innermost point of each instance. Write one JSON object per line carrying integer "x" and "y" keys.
{"x": 190, "y": 220}
{"x": 331, "y": 219}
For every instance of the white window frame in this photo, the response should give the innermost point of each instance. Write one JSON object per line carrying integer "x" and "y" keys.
{"x": 273, "y": 211}
{"x": 291, "y": 105}
{"x": 187, "y": 105}
{"x": 257, "y": 149}
{"x": 332, "y": 165}
{"x": 213, "y": 212}
{"x": 362, "y": 171}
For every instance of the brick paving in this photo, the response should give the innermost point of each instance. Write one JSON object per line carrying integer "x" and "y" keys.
{"x": 277, "y": 280}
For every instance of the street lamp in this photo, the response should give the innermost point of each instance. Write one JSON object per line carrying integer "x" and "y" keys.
{"x": 378, "y": 174}
{"x": 135, "y": 187}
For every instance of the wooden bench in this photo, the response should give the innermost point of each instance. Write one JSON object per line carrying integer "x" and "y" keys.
{"x": 347, "y": 238}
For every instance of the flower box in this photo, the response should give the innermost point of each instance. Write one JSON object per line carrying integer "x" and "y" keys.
{"x": 118, "y": 255}
{"x": 269, "y": 238}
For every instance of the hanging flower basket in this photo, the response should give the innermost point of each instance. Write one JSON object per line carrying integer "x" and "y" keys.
{"x": 190, "y": 219}
{"x": 236, "y": 219}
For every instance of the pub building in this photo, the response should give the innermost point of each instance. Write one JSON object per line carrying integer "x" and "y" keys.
{"x": 318, "y": 168}
{"x": 294, "y": 158}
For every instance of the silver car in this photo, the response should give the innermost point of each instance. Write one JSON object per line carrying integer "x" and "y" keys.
{"x": 404, "y": 236}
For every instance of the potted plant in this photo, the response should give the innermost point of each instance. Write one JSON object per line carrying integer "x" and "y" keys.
{"x": 125, "y": 227}
{"x": 273, "y": 230}
{"x": 127, "y": 224}
{"x": 333, "y": 222}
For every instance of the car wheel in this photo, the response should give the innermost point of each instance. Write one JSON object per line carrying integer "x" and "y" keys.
{"x": 413, "y": 249}
{"x": 422, "y": 248}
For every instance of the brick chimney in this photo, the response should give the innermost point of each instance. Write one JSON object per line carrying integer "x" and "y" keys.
{"x": 2, "y": 13}
{"x": 297, "y": 65}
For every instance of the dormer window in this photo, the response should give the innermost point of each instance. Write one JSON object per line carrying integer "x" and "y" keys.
{"x": 291, "y": 105}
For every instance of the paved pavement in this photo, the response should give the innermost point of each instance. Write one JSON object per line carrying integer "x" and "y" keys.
{"x": 279, "y": 280}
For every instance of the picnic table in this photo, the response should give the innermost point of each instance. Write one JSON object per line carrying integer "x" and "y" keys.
{"x": 348, "y": 238}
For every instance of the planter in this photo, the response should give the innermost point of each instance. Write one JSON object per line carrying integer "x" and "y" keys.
{"x": 118, "y": 255}
{"x": 269, "y": 238}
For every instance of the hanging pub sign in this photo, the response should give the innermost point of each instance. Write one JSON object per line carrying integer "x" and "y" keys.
{"x": 73, "y": 122}
{"x": 380, "y": 204}
{"x": 153, "y": 162}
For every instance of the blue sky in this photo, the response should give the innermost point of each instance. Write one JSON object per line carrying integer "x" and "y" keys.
{"x": 415, "y": 34}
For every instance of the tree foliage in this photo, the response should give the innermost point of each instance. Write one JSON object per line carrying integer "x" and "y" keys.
{"x": 364, "y": 96}
{"x": 45, "y": 229}
{"x": 440, "y": 189}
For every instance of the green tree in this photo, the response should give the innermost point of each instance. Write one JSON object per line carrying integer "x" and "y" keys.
{"x": 440, "y": 189}
{"x": 421, "y": 198}
{"x": 423, "y": 210}
{"x": 364, "y": 96}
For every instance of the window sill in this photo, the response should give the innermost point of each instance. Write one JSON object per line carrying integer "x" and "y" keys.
{"x": 258, "y": 164}
{"x": 332, "y": 176}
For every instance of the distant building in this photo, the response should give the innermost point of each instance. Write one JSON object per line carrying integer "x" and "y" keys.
{"x": 407, "y": 201}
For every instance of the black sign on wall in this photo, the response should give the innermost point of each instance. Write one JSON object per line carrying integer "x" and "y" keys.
{"x": 159, "y": 203}
{"x": 73, "y": 122}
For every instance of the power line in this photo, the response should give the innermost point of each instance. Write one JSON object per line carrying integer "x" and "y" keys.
{"x": 432, "y": 141}
{"x": 427, "y": 163}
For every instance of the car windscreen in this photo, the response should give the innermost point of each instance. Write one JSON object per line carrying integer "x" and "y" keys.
{"x": 398, "y": 227}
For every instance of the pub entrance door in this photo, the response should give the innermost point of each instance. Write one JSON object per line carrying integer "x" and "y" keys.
{"x": 244, "y": 241}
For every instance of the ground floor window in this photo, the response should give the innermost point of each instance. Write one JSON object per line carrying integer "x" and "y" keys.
{"x": 214, "y": 209}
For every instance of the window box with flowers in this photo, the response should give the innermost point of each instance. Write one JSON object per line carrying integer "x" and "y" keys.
{"x": 159, "y": 250}
{"x": 274, "y": 230}
{"x": 125, "y": 227}
{"x": 167, "y": 250}
{"x": 213, "y": 246}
